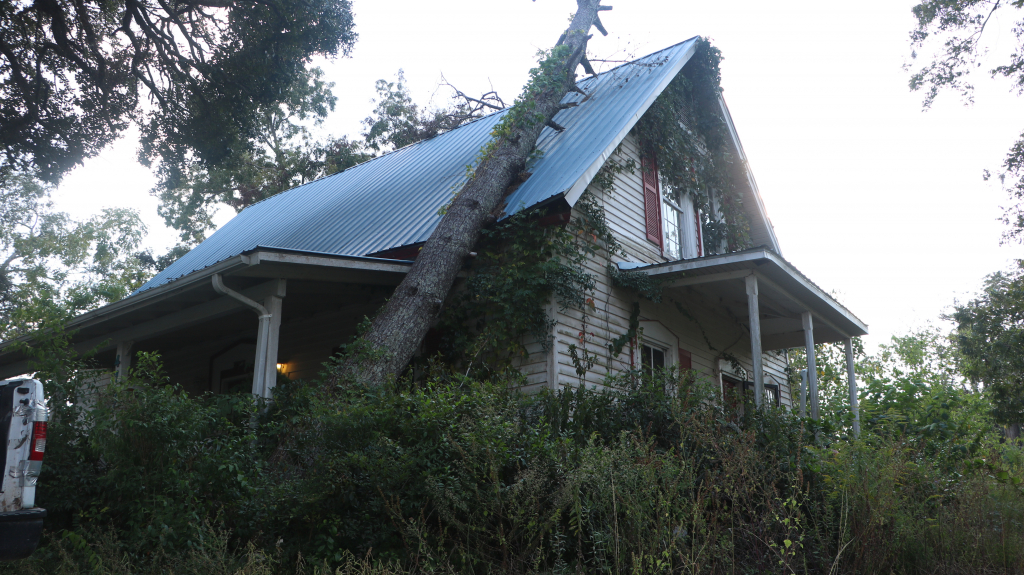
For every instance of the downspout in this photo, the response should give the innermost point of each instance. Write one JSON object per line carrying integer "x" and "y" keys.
{"x": 259, "y": 384}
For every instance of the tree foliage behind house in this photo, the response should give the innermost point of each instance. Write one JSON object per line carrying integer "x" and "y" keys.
{"x": 194, "y": 75}
{"x": 954, "y": 37}
{"x": 52, "y": 266}
{"x": 990, "y": 336}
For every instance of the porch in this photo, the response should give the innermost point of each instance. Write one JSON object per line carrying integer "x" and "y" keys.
{"x": 782, "y": 308}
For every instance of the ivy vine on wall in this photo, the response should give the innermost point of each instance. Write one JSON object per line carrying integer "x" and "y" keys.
{"x": 686, "y": 131}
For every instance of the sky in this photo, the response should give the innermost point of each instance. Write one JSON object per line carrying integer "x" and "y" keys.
{"x": 872, "y": 197}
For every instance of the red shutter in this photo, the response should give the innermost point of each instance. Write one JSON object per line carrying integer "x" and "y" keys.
{"x": 652, "y": 199}
{"x": 685, "y": 361}
{"x": 700, "y": 238}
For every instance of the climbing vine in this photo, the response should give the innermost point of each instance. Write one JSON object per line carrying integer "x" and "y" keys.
{"x": 522, "y": 263}
{"x": 685, "y": 130}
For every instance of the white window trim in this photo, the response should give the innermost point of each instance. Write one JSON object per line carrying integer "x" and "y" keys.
{"x": 654, "y": 333}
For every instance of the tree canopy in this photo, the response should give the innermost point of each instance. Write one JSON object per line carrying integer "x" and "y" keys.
{"x": 195, "y": 75}
{"x": 990, "y": 335}
{"x": 958, "y": 27}
{"x": 52, "y": 266}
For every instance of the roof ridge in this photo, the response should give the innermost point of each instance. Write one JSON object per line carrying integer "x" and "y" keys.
{"x": 644, "y": 57}
{"x": 474, "y": 120}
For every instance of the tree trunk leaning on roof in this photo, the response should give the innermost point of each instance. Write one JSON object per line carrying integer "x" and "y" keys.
{"x": 395, "y": 334}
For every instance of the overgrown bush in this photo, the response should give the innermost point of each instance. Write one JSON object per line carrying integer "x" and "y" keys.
{"x": 457, "y": 475}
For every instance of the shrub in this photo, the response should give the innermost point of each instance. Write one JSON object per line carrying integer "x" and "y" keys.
{"x": 455, "y": 474}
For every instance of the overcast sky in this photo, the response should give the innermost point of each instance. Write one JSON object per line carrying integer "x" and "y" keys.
{"x": 870, "y": 196}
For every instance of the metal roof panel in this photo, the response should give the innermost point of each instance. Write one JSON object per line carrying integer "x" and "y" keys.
{"x": 393, "y": 200}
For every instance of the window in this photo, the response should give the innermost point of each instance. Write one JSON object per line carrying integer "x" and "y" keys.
{"x": 678, "y": 230}
{"x": 738, "y": 395}
{"x": 672, "y": 216}
{"x": 651, "y": 359}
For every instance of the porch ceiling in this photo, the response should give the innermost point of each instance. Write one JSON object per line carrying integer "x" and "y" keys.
{"x": 785, "y": 294}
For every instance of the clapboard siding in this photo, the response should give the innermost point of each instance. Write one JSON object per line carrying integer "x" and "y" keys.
{"x": 592, "y": 330}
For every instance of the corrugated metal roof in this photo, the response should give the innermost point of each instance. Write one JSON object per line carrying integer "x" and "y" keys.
{"x": 393, "y": 200}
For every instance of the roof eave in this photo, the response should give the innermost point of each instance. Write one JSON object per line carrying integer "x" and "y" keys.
{"x": 854, "y": 326}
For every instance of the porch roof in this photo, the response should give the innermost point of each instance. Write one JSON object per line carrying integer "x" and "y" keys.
{"x": 191, "y": 303}
{"x": 785, "y": 294}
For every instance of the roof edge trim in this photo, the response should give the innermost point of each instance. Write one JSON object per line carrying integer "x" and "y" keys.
{"x": 762, "y": 211}
{"x": 762, "y": 253}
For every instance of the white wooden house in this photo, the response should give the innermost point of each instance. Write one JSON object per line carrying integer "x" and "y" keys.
{"x": 288, "y": 279}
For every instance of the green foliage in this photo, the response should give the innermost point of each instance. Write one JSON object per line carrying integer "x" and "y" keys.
{"x": 462, "y": 475}
{"x": 397, "y": 122}
{"x": 686, "y": 132}
{"x": 520, "y": 266}
{"x": 193, "y": 75}
{"x": 53, "y": 266}
{"x": 956, "y": 28}
{"x": 912, "y": 388}
{"x": 280, "y": 156}
{"x": 990, "y": 337}
{"x": 457, "y": 474}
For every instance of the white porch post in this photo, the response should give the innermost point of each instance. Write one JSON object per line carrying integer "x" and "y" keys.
{"x": 851, "y": 378}
{"x": 803, "y": 393}
{"x": 755, "y": 339}
{"x": 123, "y": 360}
{"x": 273, "y": 327}
{"x": 264, "y": 375}
{"x": 812, "y": 368}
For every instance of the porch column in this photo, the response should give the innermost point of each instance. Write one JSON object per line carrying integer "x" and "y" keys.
{"x": 755, "y": 339}
{"x": 123, "y": 360}
{"x": 264, "y": 375}
{"x": 273, "y": 328}
{"x": 851, "y": 378}
{"x": 812, "y": 368}
{"x": 803, "y": 393}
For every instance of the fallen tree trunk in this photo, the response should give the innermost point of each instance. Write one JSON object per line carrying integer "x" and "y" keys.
{"x": 396, "y": 332}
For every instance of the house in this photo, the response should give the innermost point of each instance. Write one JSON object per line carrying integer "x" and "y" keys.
{"x": 288, "y": 279}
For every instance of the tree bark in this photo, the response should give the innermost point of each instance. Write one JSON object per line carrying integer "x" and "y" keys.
{"x": 396, "y": 332}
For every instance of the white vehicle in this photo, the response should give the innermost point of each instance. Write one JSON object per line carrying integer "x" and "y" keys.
{"x": 23, "y": 417}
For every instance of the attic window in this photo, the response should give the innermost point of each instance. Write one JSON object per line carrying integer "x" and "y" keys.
{"x": 682, "y": 233}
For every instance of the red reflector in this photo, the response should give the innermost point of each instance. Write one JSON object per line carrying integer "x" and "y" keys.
{"x": 38, "y": 446}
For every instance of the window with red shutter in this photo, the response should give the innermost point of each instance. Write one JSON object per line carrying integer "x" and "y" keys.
{"x": 652, "y": 200}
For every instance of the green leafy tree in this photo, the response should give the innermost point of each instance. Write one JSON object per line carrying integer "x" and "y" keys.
{"x": 915, "y": 384}
{"x": 283, "y": 155}
{"x": 195, "y": 75}
{"x": 52, "y": 266}
{"x": 958, "y": 28}
{"x": 990, "y": 335}
{"x": 397, "y": 122}
{"x": 833, "y": 386}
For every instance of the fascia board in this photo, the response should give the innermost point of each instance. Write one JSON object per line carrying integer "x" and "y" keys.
{"x": 749, "y": 257}
{"x": 762, "y": 212}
